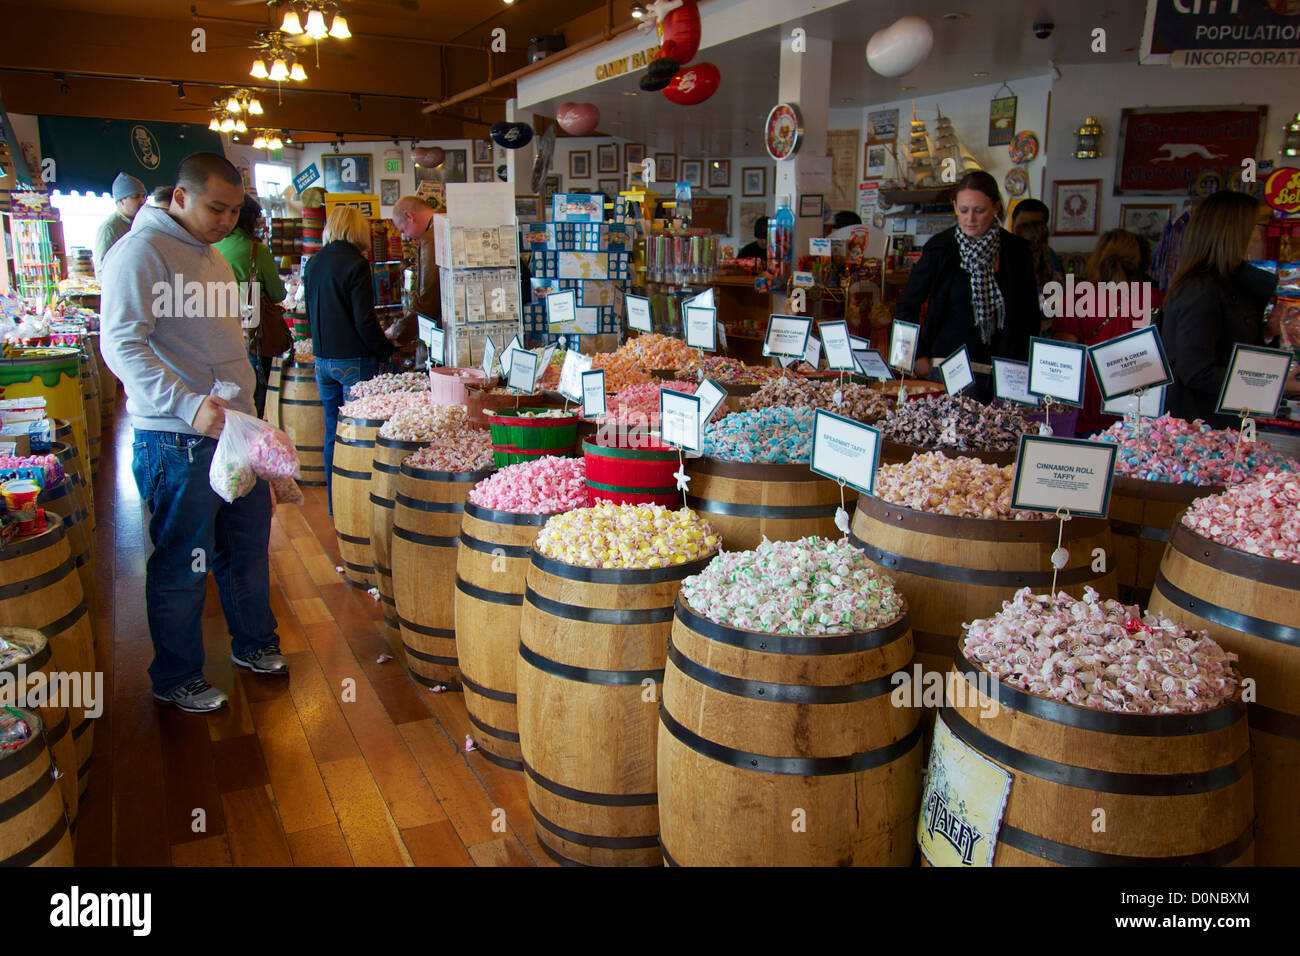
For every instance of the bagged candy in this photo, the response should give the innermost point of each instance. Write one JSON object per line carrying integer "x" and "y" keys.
{"x": 248, "y": 449}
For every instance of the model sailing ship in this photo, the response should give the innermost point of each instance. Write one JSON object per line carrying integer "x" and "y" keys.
{"x": 923, "y": 180}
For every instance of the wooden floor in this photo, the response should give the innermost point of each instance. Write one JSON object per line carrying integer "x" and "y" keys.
{"x": 289, "y": 774}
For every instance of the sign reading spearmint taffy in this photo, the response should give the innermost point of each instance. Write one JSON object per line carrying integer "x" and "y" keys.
{"x": 1255, "y": 381}
{"x": 962, "y": 806}
{"x": 845, "y": 450}
{"x": 1064, "y": 473}
{"x": 1129, "y": 362}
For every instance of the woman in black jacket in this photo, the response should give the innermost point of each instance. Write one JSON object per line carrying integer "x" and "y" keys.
{"x": 346, "y": 338}
{"x": 978, "y": 281}
{"x": 1216, "y": 299}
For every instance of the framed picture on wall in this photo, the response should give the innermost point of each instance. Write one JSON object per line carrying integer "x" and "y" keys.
{"x": 1145, "y": 219}
{"x": 1075, "y": 207}
{"x": 390, "y": 190}
{"x": 484, "y": 174}
{"x": 750, "y": 213}
{"x": 452, "y": 170}
{"x": 1157, "y": 154}
{"x": 347, "y": 172}
{"x": 528, "y": 208}
{"x": 692, "y": 171}
{"x": 482, "y": 151}
{"x": 609, "y": 187}
{"x": 607, "y": 158}
{"x": 633, "y": 154}
{"x": 666, "y": 167}
{"x": 719, "y": 174}
{"x": 580, "y": 164}
{"x": 753, "y": 181}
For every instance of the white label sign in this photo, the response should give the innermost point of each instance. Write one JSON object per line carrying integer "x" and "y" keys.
{"x": 701, "y": 330}
{"x": 1011, "y": 382}
{"x": 571, "y": 375}
{"x": 813, "y": 353}
{"x": 680, "y": 421}
{"x": 1056, "y": 370}
{"x": 819, "y": 247}
{"x": 593, "y": 393}
{"x": 561, "y": 308}
{"x": 489, "y": 356}
{"x": 902, "y": 345}
{"x": 956, "y": 372}
{"x": 704, "y": 300}
{"x": 787, "y": 335}
{"x": 638, "y": 313}
{"x": 839, "y": 349}
{"x": 508, "y": 355}
{"x": 845, "y": 450}
{"x": 1055, "y": 473}
{"x": 711, "y": 395}
{"x": 963, "y": 802}
{"x": 434, "y": 338}
{"x": 523, "y": 370}
{"x": 1255, "y": 381}
{"x": 872, "y": 364}
{"x": 1129, "y": 362}
{"x": 1151, "y": 404}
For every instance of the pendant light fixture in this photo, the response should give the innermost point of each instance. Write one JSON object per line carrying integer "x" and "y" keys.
{"x": 339, "y": 28}
{"x": 290, "y": 23}
{"x": 259, "y": 69}
{"x": 316, "y": 24}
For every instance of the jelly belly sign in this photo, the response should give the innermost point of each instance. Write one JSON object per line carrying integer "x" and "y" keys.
{"x": 1282, "y": 190}
{"x": 1175, "y": 150}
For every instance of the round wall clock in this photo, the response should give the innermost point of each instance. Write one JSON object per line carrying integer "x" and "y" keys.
{"x": 783, "y": 131}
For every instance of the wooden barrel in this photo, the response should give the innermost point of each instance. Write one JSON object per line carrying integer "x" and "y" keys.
{"x": 1141, "y": 514}
{"x": 55, "y": 374}
{"x": 384, "y": 469}
{"x": 746, "y": 502}
{"x": 74, "y": 466}
{"x": 67, "y": 500}
{"x": 303, "y": 419}
{"x": 631, "y": 476}
{"x": 33, "y": 825}
{"x": 1251, "y": 606}
{"x": 426, "y": 536}
{"x": 89, "y": 377}
{"x": 1175, "y": 789}
{"x": 754, "y": 725}
{"x": 496, "y": 549}
{"x": 39, "y": 588}
{"x": 592, "y": 649}
{"x": 107, "y": 380}
{"x": 354, "y": 451}
{"x": 894, "y": 453}
{"x": 273, "y": 391}
{"x": 31, "y": 672}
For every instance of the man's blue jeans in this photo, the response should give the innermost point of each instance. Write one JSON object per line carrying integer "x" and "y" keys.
{"x": 334, "y": 377}
{"x": 194, "y": 529}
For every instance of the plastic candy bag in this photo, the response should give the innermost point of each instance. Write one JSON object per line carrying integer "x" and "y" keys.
{"x": 248, "y": 449}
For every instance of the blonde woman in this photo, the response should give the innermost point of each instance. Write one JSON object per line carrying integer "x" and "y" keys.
{"x": 1216, "y": 299}
{"x": 346, "y": 338}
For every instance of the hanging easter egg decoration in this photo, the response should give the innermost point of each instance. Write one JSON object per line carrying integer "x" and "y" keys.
{"x": 511, "y": 135}
{"x": 901, "y": 47}
{"x": 578, "y": 119}
{"x": 659, "y": 74}
{"x": 694, "y": 84}
{"x": 679, "y": 32}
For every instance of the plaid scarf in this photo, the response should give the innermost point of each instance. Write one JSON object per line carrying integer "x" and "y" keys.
{"x": 979, "y": 258}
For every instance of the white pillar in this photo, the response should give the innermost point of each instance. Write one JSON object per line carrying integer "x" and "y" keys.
{"x": 805, "y": 80}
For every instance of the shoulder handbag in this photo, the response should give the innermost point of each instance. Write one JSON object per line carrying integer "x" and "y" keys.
{"x": 273, "y": 333}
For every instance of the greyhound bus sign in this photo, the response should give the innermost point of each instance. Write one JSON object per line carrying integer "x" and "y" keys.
{"x": 1170, "y": 150}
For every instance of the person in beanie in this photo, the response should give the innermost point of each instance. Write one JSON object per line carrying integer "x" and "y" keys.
{"x": 129, "y": 194}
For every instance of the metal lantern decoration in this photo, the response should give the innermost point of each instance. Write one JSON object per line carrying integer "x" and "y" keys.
{"x": 1088, "y": 139}
{"x": 1291, "y": 137}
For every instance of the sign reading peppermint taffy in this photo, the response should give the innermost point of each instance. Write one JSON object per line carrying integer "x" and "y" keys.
{"x": 571, "y": 375}
{"x": 680, "y": 423}
{"x": 638, "y": 313}
{"x": 963, "y": 802}
{"x": 787, "y": 335}
{"x": 489, "y": 356}
{"x": 561, "y": 308}
{"x": 1011, "y": 382}
{"x": 872, "y": 364}
{"x": 956, "y": 372}
{"x": 1129, "y": 362}
{"x": 845, "y": 450}
{"x": 593, "y": 393}
{"x": 902, "y": 345}
{"x": 711, "y": 395}
{"x": 523, "y": 371}
{"x": 701, "y": 327}
{"x": 839, "y": 345}
{"x": 1255, "y": 381}
{"x": 1056, "y": 370}
{"x": 1055, "y": 474}
{"x": 1150, "y": 404}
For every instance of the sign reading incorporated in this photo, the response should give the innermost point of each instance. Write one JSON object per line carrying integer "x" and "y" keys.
{"x": 1221, "y": 33}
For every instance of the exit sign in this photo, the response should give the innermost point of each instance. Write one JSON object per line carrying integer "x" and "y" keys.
{"x": 393, "y": 165}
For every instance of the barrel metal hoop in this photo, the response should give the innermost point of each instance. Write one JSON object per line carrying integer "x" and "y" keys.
{"x": 443, "y": 632}
{"x": 928, "y": 642}
{"x": 348, "y": 473}
{"x": 600, "y": 842}
{"x": 1067, "y": 855}
{"x": 781, "y": 693}
{"x": 1276, "y": 722}
{"x": 386, "y": 468}
{"x": 18, "y": 760}
{"x": 1102, "y": 781}
{"x": 488, "y": 547}
{"x": 488, "y": 728}
{"x": 500, "y": 761}
{"x": 381, "y": 502}
{"x": 39, "y": 542}
{"x": 27, "y": 797}
{"x": 483, "y": 594}
{"x": 587, "y": 675}
{"x": 1253, "y": 567}
{"x": 795, "y": 766}
{"x": 668, "y": 857}
{"x": 1234, "y": 620}
{"x": 574, "y": 572}
{"x": 506, "y": 517}
{"x": 588, "y": 796}
{"x": 559, "y": 858}
{"x": 433, "y": 541}
{"x": 54, "y": 734}
{"x": 351, "y": 538}
{"x": 490, "y": 693}
{"x": 1145, "y": 531}
{"x": 437, "y": 507}
{"x": 435, "y": 682}
{"x": 785, "y": 644}
{"x": 1083, "y": 574}
{"x": 41, "y": 847}
{"x": 598, "y": 615}
{"x": 55, "y": 628}
{"x": 298, "y": 401}
{"x": 380, "y": 569}
{"x": 33, "y": 663}
{"x": 775, "y": 512}
{"x": 43, "y": 580}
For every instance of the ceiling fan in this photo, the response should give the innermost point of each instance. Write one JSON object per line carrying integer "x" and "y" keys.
{"x": 360, "y": 6}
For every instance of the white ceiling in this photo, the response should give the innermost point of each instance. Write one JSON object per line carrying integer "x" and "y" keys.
{"x": 992, "y": 36}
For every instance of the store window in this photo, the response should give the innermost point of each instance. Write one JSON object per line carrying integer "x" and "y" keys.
{"x": 81, "y": 216}
{"x": 271, "y": 180}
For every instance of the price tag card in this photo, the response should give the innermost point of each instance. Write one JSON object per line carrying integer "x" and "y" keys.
{"x": 545, "y": 361}
{"x": 701, "y": 328}
{"x": 509, "y": 353}
{"x": 489, "y": 356}
{"x": 902, "y": 345}
{"x": 1055, "y": 473}
{"x": 873, "y": 365}
{"x": 704, "y": 300}
{"x": 638, "y": 313}
{"x": 1255, "y": 382}
{"x": 956, "y": 372}
{"x": 434, "y": 338}
{"x": 561, "y": 308}
{"x": 813, "y": 353}
{"x": 593, "y": 393}
{"x": 523, "y": 371}
{"x": 571, "y": 375}
{"x": 858, "y": 344}
{"x": 787, "y": 335}
{"x": 711, "y": 395}
{"x": 845, "y": 450}
{"x": 1129, "y": 362}
{"x": 839, "y": 345}
{"x": 1056, "y": 370}
{"x": 803, "y": 280}
{"x": 1150, "y": 405}
{"x": 1011, "y": 382}
{"x": 819, "y": 247}
{"x": 679, "y": 420}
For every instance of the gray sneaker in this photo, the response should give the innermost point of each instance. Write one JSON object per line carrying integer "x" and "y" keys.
{"x": 196, "y": 697}
{"x": 264, "y": 660}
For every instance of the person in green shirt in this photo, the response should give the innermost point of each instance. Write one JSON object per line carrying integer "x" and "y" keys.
{"x": 251, "y": 261}
{"x": 129, "y": 195}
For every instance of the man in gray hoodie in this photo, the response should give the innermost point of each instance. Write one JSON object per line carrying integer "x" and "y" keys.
{"x": 170, "y": 329}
